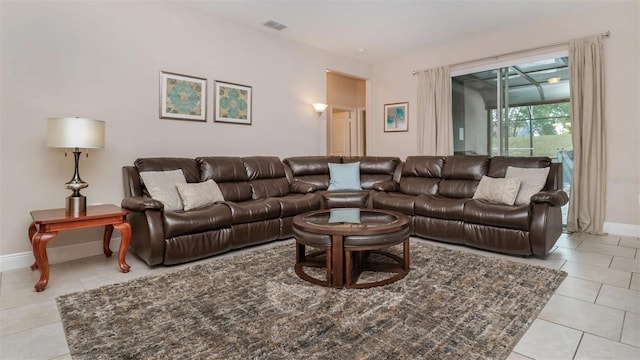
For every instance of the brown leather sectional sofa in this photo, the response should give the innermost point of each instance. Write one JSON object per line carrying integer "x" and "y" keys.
{"x": 262, "y": 195}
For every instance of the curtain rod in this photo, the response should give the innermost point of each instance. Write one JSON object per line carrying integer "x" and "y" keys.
{"x": 604, "y": 35}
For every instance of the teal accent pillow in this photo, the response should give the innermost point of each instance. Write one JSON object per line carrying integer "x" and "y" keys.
{"x": 344, "y": 176}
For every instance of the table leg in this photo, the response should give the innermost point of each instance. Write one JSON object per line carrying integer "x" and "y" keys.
{"x": 125, "y": 229}
{"x": 407, "y": 258}
{"x": 337, "y": 259}
{"x": 39, "y": 244}
{"x": 329, "y": 267}
{"x": 108, "y": 231}
{"x": 300, "y": 253}
{"x": 32, "y": 231}
{"x": 348, "y": 269}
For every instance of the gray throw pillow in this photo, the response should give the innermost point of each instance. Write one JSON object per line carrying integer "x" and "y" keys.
{"x": 161, "y": 185}
{"x": 198, "y": 195}
{"x": 497, "y": 190}
{"x": 532, "y": 180}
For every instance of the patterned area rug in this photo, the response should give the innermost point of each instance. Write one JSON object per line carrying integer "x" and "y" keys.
{"x": 253, "y": 306}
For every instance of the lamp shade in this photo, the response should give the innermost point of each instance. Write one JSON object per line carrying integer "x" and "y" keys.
{"x": 75, "y": 133}
{"x": 319, "y": 107}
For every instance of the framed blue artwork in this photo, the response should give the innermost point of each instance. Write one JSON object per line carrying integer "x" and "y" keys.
{"x": 233, "y": 103}
{"x": 396, "y": 117}
{"x": 183, "y": 97}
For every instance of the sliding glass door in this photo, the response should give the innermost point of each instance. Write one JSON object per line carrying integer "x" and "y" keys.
{"x": 521, "y": 109}
{"x": 518, "y": 110}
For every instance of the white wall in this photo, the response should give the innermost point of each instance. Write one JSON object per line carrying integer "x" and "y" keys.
{"x": 394, "y": 82}
{"x": 102, "y": 60}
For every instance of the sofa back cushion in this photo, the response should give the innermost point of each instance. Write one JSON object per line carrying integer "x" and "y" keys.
{"x": 499, "y": 164}
{"x": 374, "y": 169}
{"x": 229, "y": 173}
{"x": 461, "y": 175}
{"x": 311, "y": 169}
{"x": 421, "y": 175}
{"x": 266, "y": 176}
{"x": 188, "y": 166}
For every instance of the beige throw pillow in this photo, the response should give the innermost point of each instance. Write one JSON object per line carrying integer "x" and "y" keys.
{"x": 197, "y": 195}
{"x": 532, "y": 180}
{"x": 161, "y": 185}
{"x": 497, "y": 190}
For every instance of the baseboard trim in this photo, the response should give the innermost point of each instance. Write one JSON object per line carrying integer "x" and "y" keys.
{"x": 621, "y": 229}
{"x": 57, "y": 254}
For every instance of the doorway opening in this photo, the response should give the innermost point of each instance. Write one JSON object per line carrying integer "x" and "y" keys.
{"x": 346, "y": 131}
{"x": 346, "y": 115}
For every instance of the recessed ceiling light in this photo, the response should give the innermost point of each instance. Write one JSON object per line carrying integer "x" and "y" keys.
{"x": 553, "y": 80}
{"x": 361, "y": 50}
{"x": 274, "y": 25}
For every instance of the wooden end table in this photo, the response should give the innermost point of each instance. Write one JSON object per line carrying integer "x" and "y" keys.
{"x": 47, "y": 223}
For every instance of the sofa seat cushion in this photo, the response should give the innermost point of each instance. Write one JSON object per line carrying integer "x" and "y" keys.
{"x": 207, "y": 218}
{"x": 294, "y": 204}
{"x": 394, "y": 201}
{"x": 342, "y": 199}
{"x": 505, "y": 216}
{"x": 440, "y": 207}
{"x": 254, "y": 210}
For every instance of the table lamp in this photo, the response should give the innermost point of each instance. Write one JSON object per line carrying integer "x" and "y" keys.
{"x": 75, "y": 133}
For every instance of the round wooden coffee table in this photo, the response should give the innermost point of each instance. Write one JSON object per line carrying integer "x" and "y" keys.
{"x": 347, "y": 238}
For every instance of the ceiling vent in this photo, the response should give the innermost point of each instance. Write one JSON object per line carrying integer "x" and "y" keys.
{"x": 274, "y": 25}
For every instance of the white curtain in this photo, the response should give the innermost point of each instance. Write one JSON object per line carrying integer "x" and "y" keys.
{"x": 587, "y": 199}
{"x": 435, "y": 127}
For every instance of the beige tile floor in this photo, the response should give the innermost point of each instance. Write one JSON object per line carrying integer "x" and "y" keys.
{"x": 595, "y": 314}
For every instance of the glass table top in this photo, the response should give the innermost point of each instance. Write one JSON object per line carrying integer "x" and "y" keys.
{"x": 351, "y": 217}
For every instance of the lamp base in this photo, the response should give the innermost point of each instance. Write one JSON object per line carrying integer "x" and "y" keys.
{"x": 76, "y": 205}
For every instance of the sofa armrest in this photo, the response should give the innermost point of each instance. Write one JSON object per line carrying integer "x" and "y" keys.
{"x": 302, "y": 187}
{"x": 552, "y": 197}
{"x": 147, "y": 227}
{"x": 389, "y": 186}
{"x": 141, "y": 203}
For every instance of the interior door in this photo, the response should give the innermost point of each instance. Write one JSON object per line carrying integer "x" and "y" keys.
{"x": 341, "y": 132}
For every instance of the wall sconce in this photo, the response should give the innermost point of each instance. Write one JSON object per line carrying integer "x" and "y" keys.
{"x": 75, "y": 133}
{"x": 320, "y": 108}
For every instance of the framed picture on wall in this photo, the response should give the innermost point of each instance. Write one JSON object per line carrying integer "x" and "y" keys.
{"x": 232, "y": 103}
{"x": 183, "y": 97}
{"x": 396, "y": 117}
